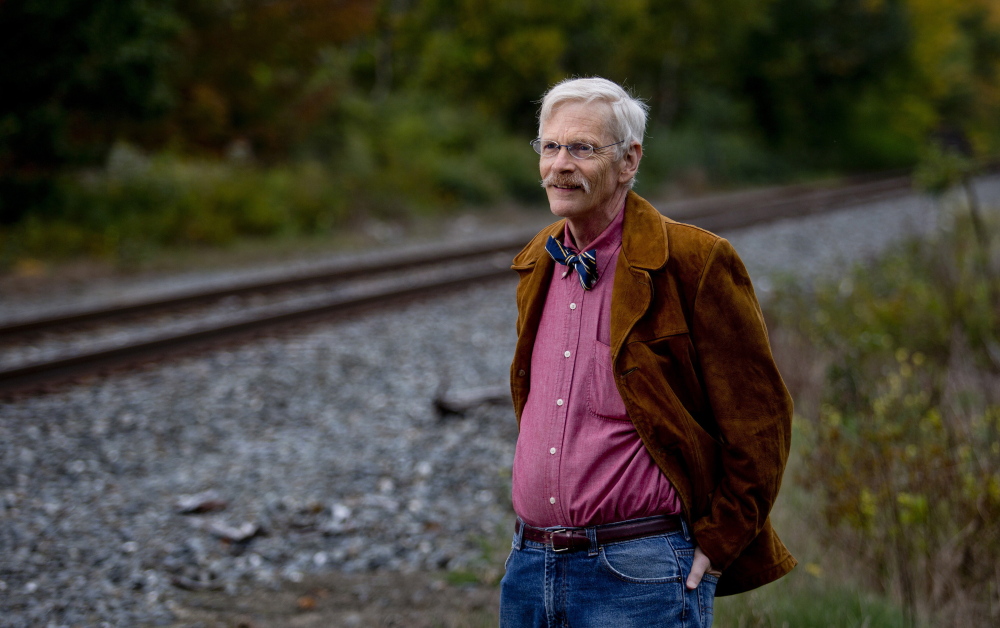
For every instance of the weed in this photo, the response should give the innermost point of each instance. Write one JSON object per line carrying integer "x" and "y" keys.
{"x": 904, "y": 446}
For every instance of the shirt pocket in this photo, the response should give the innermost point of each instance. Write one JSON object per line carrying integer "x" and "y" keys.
{"x": 603, "y": 399}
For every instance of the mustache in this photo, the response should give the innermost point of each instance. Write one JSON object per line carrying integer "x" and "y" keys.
{"x": 567, "y": 181}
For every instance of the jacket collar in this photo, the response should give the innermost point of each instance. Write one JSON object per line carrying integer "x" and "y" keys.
{"x": 644, "y": 235}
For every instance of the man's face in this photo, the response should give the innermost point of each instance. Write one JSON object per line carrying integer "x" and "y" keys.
{"x": 579, "y": 188}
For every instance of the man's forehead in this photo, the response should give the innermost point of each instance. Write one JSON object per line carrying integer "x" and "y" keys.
{"x": 588, "y": 120}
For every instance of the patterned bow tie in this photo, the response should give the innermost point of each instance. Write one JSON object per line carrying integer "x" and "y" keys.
{"x": 585, "y": 264}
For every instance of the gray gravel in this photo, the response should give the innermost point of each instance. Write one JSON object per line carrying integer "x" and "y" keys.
{"x": 325, "y": 439}
{"x": 322, "y": 444}
{"x": 828, "y": 245}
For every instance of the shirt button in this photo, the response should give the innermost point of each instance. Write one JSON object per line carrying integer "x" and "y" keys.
{"x": 552, "y": 451}
{"x": 552, "y": 500}
{"x": 520, "y": 373}
{"x": 567, "y": 354}
{"x": 572, "y": 306}
{"x": 559, "y": 402}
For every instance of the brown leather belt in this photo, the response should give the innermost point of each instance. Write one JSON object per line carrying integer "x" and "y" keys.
{"x": 574, "y": 539}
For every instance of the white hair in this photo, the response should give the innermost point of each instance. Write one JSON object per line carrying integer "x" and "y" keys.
{"x": 628, "y": 115}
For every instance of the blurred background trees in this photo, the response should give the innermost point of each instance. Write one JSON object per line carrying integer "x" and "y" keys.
{"x": 75, "y": 76}
{"x": 407, "y": 105}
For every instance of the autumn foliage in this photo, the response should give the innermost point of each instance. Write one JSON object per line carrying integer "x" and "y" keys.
{"x": 903, "y": 449}
{"x": 413, "y": 106}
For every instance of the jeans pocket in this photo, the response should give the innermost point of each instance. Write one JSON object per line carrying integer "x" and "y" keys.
{"x": 513, "y": 548}
{"x": 647, "y": 560}
{"x": 706, "y": 598}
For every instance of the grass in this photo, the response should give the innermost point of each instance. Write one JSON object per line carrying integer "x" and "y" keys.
{"x": 802, "y": 601}
{"x": 891, "y": 485}
{"x": 823, "y": 591}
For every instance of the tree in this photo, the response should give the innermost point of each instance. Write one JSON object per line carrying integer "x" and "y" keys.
{"x": 73, "y": 76}
{"x": 248, "y": 70}
{"x": 956, "y": 57}
{"x": 824, "y": 79}
{"x": 500, "y": 56}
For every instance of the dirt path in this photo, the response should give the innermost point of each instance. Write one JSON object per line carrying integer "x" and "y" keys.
{"x": 419, "y": 600}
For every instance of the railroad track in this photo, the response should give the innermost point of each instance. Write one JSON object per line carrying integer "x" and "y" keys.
{"x": 255, "y": 306}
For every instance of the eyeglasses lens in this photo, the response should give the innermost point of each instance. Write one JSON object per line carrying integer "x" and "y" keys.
{"x": 550, "y": 149}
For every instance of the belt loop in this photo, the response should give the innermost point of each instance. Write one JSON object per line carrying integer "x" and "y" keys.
{"x": 685, "y": 529}
{"x": 518, "y": 543}
{"x": 592, "y": 537}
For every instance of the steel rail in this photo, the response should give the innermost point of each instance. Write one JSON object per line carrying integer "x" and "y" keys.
{"x": 348, "y": 270}
{"x": 717, "y": 203}
{"x": 721, "y": 213}
{"x": 807, "y": 203}
{"x": 80, "y": 364}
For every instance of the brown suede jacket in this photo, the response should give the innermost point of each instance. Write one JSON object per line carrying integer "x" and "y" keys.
{"x": 693, "y": 365}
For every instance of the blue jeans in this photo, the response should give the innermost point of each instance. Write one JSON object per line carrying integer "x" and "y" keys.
{"x": 626, "y": 584}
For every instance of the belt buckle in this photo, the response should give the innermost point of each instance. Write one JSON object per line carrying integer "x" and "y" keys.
{"x": 552, "y": 541}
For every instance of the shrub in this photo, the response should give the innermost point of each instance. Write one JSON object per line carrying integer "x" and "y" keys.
{"x": 125, "y": 211}
{"x": 411, "y": 153}
{"x": 905, "y": 447}
{"x": 405, "y": 156}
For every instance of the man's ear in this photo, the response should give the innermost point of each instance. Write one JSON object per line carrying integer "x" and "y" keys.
{"x": 630, "y": 163}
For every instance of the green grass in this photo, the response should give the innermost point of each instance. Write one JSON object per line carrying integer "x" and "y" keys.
{"x": 807, "y": 599}
{"x": 824, "y": 590}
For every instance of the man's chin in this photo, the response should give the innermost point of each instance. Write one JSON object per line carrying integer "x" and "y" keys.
{"x": 564, "y": 210}
{"x": 565, "y": 205}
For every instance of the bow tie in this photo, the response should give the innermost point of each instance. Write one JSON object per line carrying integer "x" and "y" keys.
{"x": 585, "y": 264}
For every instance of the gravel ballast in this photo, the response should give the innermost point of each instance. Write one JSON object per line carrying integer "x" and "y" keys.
{"x": 314, "y": 451}
{"x": 324, "y": 446}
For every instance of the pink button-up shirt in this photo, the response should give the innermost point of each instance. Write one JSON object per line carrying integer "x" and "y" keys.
{"x": 579, "y": 461}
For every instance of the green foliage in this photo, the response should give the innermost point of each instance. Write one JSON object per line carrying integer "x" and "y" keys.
{"x": 260, "y": 71}
{"x": 713, "y": 144}
{"x": 412, "y": 153}
{"x": 420, "y": 105}
{"x": 74, "y": 73}
{"x": 137, "y": 205}
{"x": 853, "y": 84}
{"x": 819, "y": 73}
{"x": 499, "y": 57}
{"x": 802, "y": 600}
{"x": 905, "y": 448}
{"x": 941, "y": 170}
{"x": 425, "y": 161}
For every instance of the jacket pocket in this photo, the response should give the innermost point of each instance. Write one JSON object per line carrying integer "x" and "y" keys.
{"x": 675, "y": 381}
{"x": 603, "y": 399}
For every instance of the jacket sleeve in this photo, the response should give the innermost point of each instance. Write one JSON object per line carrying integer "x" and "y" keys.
{"x": 749, "y": 401}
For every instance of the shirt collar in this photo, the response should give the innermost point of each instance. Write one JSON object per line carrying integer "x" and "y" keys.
{"x": 605, "y": 244}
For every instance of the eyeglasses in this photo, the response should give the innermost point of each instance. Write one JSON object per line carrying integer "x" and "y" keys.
{"x": 580, "y": 150}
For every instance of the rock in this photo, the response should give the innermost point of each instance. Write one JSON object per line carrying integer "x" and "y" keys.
{"x": 200, "y": 503}
{"x": 234, "y": 534}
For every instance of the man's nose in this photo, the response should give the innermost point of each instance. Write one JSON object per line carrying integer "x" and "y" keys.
{"x": 563, "y": 160}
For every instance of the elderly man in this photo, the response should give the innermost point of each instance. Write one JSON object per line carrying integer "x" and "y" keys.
{"x": 654, "y": 426}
